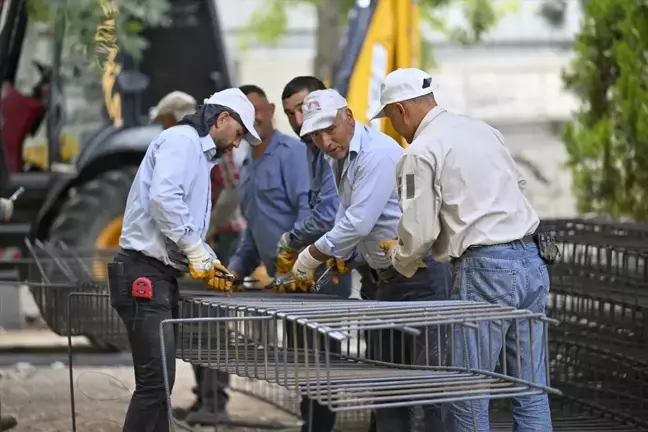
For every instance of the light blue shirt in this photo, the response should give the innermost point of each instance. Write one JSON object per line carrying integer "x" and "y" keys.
{"x": 273, "y": 192}
{"x": 369, "y": 212}
{"x": 169, "y": 203}
{"x": 323, "y": 200}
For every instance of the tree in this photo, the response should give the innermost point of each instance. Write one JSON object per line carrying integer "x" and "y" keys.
{"x": 96, "y": 27}
{"x": 268, "y": 24}
{"x": 607, "y": 141}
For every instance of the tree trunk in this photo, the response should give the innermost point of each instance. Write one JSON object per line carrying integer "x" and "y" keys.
{"x": 328, "y": 39}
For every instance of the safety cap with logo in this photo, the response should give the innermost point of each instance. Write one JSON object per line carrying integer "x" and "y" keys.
{"x": 177, "y": 103}
{"x": 320, "y": 108}
{"x": 235, "y": 100}
{"x": 402, "y": 85}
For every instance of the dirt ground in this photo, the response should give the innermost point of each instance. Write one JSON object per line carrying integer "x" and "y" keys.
{"x": 39, "y": 398}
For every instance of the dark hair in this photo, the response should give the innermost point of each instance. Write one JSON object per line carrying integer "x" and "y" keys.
{"x": 251, "y": 88}
{"x": 300, "y": 83}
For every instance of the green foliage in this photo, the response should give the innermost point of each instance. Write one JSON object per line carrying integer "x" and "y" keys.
{"x": 84, "y": 17}
{"x": 268, "y": 24}
{"x": 607, "y": 141}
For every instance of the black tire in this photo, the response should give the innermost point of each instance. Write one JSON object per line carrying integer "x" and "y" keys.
{"x": 82, "y": 218}
{"x": 91, "y": 207}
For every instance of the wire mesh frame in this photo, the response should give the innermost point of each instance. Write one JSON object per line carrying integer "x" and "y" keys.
{"x": 351, "y": 382}
{"x": 70, "y": 287}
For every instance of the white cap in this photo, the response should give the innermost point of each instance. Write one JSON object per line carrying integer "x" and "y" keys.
{"x": 235, "y": 100}
{"x": 177, "y": 103}
{"x": 402, "y": 85}
{"x": 320, "y": 109}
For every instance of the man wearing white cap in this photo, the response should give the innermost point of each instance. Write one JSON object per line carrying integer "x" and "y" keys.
{"x": 165, "y": 224}
{"x": 363, "y": 161}
{"x": 462, "y": 200}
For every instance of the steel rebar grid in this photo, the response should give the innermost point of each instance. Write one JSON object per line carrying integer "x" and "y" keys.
{"x": 271, "y": 339}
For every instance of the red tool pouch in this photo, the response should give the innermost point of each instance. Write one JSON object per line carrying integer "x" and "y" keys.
{"x": 142, "y": 288}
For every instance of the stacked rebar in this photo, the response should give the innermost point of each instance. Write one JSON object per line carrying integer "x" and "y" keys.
{"x": 599, "y": 293}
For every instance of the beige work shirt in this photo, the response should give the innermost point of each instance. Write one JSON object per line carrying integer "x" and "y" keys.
{"x": 458, "y": 187}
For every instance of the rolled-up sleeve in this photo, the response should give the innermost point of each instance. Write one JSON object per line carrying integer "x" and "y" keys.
{"x": 420, "y": 203}
{"x": 321, "y": 217}
{"x": 371, "y": 190}
{"x": 174, "y": 161}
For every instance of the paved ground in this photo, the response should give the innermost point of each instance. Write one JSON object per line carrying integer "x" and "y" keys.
{"x": 39, "y": 397}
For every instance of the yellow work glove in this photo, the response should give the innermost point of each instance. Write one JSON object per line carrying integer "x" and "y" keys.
{"x": 388, "y": 245}
{"x": 292, "y": 287}
{"x": 340, "y": 267}
{"x": 286, "y": 255}
{"x": 218, "y": 282}
{"x": 285, "y": 263}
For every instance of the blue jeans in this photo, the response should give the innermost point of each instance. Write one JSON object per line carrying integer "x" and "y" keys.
{"x": 431, "y": 283}
{"x": 511, "y": 274}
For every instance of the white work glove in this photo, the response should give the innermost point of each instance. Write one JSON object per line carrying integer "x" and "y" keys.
{"x": 203, "y": 267}
{"x": 6, "y": 209}
{"x": 305, "y": 266}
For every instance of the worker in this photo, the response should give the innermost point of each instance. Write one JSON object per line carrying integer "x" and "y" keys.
{"x": 274, "y": 198}
{"x": 163, "y": 235}
{"x": 323, "y": 197}
{"x": 463, "y": 201}
{"x": 363, "y": 161}
{"x": 324, "y": 204}
{"x": 209, "y": 383}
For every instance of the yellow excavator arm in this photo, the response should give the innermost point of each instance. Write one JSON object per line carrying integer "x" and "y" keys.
{"x": 383, "y": 35}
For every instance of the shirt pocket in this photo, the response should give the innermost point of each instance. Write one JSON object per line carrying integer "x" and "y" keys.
{"x": 270, "y": 184}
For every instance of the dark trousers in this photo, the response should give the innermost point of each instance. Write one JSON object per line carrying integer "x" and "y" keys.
{"x": 368, "y": 289}
{"x": 147, "y": 411}
{"x": 210, "y": 388}
{"x": 431, "y": 283}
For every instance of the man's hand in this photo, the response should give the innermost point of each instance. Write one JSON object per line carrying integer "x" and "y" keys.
{"x": 388, "y": 245}
{"x": 291, "y": 287}
{"x": 218, "y": 282}
{"x": 6, "y": 209}
{"x": 286, "y": 255}
{"x": 305, "y": 266}
{"x": 341, "y": 266}
{"x": 201, "y": 263}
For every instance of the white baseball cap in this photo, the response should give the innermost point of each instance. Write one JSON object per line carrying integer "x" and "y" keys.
{"x": 177, "y": 103}
{"x": 235, "y": 100}
{"x": 402, "y": 85}
{"x": 320, "y": 109}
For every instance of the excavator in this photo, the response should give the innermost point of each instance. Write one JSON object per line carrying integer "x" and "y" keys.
{"x": 76, "y": 191}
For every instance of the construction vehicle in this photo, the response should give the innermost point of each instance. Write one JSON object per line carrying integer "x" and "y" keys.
{"x": 80, "y": 200}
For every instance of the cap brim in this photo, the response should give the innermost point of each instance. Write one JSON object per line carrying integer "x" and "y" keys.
{"x": 378, "y": 114}
{"x": 318, "y": 122}
{"x": 252, "y": 136}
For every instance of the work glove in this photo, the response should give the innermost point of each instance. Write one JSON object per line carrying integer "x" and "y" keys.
{"x": 388, "y": 245}
{"x": 339, "y": 266}
{"x": 6, "y": 209}
{"x": 217, "y": 281}
{"x": 203, "y": 267}
{"x": 305, "y": 266}
{"x": 237, "y": 284}
{"x": 286, "y": 255}
{"x": 292, "y": 287}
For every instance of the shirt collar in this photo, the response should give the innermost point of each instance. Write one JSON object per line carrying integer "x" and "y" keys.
{"x": 272, "y": 145}
{"x": 358, "y": 135}
{"x": 208, "y": 147}
{"x": 429, "y": 118}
